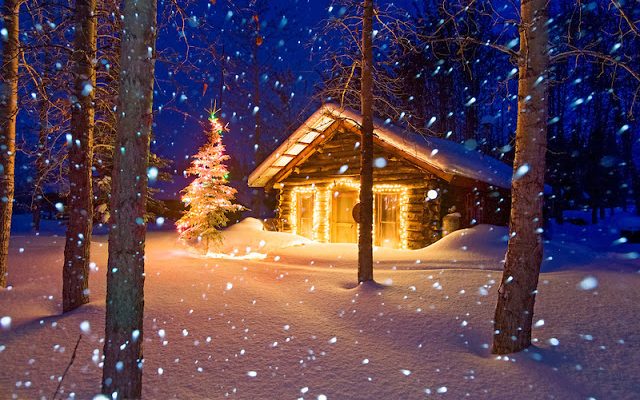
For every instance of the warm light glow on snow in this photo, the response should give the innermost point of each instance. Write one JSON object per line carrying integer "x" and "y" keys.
{"x": 322, "y": 197}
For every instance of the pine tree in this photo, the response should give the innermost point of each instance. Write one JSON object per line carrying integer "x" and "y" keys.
{"x": 208, "y": 198}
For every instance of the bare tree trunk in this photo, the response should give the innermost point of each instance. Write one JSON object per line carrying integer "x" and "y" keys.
{"x": 75, "y": 275}
{"x": 257, "y": 138}
{"x": 37, "y": 199}
{"x": 43, "y": 132}
{"x": 516, "y": 296}
{"x": 122, "y": 372}
{"x": 635, "y": 181}
{"x": 258, "y": 200}
{"x": 365, "y": 235}
{"x": 634, "y": 171}
{"x": 8, "y": 113}
{"x": 469, "y": 74}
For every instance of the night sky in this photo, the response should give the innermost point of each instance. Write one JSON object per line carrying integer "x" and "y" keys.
{"x": 206, "y": 37}
{"x": 183, "y": 97}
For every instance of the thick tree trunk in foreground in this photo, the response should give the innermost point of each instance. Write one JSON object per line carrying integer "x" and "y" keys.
{"x": 8, "y": 112}
{"x": 75, "y": 276}
{"x": 365, "y": 234}
{"x": 122, "y": 372}
{"x": 516, "y": 296}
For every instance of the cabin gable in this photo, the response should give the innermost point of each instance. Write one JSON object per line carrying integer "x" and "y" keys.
{"x": 328, "y": 181}
{"x": 423, "y": 187}
{"x": 339, "y": 157}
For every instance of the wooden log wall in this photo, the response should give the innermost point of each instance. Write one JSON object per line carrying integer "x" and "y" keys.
{"x": 487, "y": 206}
{"x": 343, "y": 151}
{"x": 338, "y": 159}
{"x": 284, "y": 208}
{"x": 432, "y": 221}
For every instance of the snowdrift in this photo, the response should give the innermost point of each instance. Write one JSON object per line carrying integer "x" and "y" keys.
{"x": 482, "y": 245}
{"x": 249, "y": 240}
{"x": 479, "y": 247}
{"x": 218, "y": 328}
{"x": 273, "y": 329}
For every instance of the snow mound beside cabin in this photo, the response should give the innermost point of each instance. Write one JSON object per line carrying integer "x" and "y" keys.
{"x": 249, "y": 240}
{"x": 479, "y": 243}
{"x": 482, "y": 246}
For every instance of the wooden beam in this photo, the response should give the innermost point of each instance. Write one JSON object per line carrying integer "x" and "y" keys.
{"x": 304, "y": 154}
{"x": 463, "y": 181}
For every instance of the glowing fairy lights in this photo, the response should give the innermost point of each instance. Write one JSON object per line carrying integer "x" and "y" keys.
{"x": 322, "y": 197}
{"x": 294, "y": 209}
{"x": 216, "y": 124}
{"x": 208, "y": 197}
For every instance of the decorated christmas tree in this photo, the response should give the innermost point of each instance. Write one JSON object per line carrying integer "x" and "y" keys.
{"x": 208, "y": 198}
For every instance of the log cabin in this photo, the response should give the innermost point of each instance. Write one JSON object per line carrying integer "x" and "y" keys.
{"x": 418, "y": 182}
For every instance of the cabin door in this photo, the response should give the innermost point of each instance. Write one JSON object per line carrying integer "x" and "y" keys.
{"x": 304, "y": 215}
{"x": 344, "y": 228}
{"x": 387, "y": 220}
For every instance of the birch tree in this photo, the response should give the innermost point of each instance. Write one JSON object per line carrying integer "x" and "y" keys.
{"x": 517, "y": 292}
{"x": 122, "y": 372}
{"x": 518, "y": 288}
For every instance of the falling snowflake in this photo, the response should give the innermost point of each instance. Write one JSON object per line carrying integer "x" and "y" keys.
{"x": 588, "y": 283}
{"x": 85, "y": 327}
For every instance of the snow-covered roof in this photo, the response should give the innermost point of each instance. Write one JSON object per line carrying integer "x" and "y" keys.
{"x": 443, "y": 155}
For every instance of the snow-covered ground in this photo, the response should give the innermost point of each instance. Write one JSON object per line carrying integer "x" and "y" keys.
{"x": 289, "y": 321}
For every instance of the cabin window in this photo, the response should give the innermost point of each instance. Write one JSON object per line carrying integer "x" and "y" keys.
{"x": 344, "y": 228}
{"x": 304, "y": 215}
{"x": 387, "y": 220}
